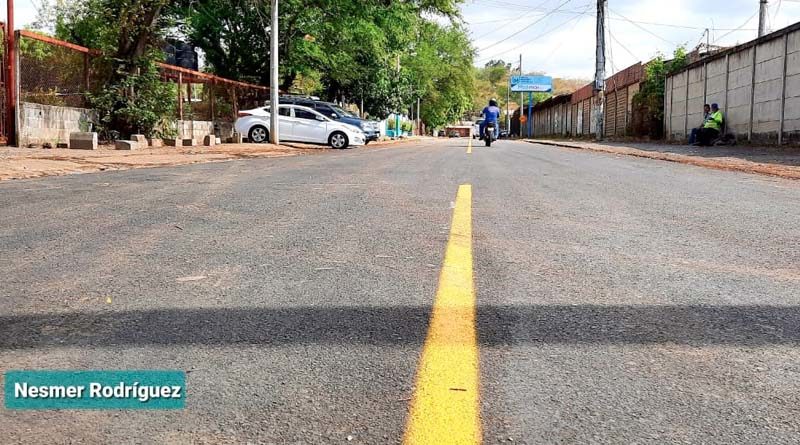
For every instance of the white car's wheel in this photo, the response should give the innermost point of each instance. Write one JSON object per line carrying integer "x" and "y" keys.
{"x": 338, "y": 140}
{"x": 258, "y": 134}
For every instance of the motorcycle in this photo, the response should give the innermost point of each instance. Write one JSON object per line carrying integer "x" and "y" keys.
{"x": 490, "y": 133}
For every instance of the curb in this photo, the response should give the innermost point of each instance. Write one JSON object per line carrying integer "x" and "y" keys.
{"x": 726, "y": 164}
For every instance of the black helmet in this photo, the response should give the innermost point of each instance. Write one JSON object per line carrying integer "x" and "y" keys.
{"x": 492, "y": 102}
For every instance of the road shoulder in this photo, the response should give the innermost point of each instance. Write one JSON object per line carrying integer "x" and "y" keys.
{"x": 711, "y": 160}
{"x": 27, "y": 163}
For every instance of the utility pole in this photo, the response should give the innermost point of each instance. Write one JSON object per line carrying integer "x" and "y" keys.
{"x": 508, "y": 105}
{"x": 521, "y": 99}
{"x": 11, "y": 74}
{"x": 274, "y": 135}
{"x": 600, "y": 69}
{"x": 762, "y": 17}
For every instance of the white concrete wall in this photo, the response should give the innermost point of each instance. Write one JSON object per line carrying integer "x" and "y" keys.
{"x": 677, "y": 118}
{"x": 750, "y": 82}
{"x": 40, "y": 124}
{"x": 791, "y": 122}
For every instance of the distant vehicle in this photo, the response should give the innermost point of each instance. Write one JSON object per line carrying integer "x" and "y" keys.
{"x": 503, "y": 134}
{"x": 476, "y": 129}
{"x": 371, "y": 129}
{"x": 299, "y": 124}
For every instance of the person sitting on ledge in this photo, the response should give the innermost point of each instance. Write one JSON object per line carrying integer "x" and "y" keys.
{"x": 693, "y": 134}
{"x": 711, "y": 128}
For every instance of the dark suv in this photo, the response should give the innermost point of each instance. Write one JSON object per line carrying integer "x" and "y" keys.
{"x": 371, "y": 129}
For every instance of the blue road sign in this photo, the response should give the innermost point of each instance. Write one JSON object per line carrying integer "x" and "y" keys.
{"x": 531, "y": 84}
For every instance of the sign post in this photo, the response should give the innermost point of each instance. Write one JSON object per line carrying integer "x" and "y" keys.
{"x": 530, "y": 85}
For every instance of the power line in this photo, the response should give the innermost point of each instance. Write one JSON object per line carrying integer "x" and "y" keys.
{"x": 610, "y": 47}
{"x": 642, "y": 27}
{"x": 575, "y": 11}
{"x": 561, "y": 41}
{"x": 531, "y": 40}
{"x": 743, "y": 25}
{"x": 520, "y": 17}
{"x": 527, "y": 27}
{"x": 635, "y": 58}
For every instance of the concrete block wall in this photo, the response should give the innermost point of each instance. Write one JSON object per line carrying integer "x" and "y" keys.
{"x": 195, "y": 129}
{"x": 757, "y": 85}
{"x": 738, "y": 95}
{"x": 791, "y": 118}
{"x": 677, "y": 100}
{"x": 41, "y": 124}
{"x": 696, "y": 97}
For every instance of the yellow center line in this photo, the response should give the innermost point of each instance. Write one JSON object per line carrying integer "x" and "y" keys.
{"x": 469, "y": 147}
{"x": 445, "y": 407}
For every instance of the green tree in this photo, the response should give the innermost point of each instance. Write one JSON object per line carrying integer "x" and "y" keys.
{"x": 129, "y": 33}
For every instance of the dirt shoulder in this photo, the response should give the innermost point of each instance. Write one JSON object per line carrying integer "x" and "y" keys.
{"x": 24, "y": 163}
{"x": 777, "y": 164}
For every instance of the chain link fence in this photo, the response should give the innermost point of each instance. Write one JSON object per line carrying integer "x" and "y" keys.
{"x": 52, "y": 72}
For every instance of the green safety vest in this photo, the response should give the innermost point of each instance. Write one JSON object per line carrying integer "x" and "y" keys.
{"x": 714, "y": 121}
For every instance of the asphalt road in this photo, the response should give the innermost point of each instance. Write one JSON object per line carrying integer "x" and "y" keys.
{"x": 619, "y": 300}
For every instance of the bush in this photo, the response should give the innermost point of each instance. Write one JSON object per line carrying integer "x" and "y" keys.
{"x": 648, "y": 103}
{"x": 135, "y": 101}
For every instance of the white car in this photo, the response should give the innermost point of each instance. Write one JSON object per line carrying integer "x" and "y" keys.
{"x": 298, "y": 124}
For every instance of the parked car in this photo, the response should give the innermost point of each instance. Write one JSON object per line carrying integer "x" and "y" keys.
{"x": 299, "y": 124}
{"x": 371, "y": 129}
{"x": 476, "y": 129}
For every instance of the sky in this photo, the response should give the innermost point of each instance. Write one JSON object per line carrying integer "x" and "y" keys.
{"x": 558, "y": 36}
{"x": 562, "y": 43}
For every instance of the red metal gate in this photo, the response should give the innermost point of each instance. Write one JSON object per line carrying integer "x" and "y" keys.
{"x": 5, "y": 121}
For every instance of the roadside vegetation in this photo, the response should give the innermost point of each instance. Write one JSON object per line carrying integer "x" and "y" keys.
{"x": 386, "y": 55}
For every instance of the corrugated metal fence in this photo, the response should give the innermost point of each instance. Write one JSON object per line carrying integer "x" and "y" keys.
{"x": 573, "y": 114}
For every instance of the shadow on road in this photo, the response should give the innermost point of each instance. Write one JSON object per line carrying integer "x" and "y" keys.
{"x": 497, "y": 326}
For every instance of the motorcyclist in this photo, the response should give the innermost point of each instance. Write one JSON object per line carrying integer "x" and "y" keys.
{"x": 491, "y": 114}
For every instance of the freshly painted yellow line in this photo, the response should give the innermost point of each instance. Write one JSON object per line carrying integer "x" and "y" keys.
{"x": 445, "y": 407}
{"x": 469, "y": 148}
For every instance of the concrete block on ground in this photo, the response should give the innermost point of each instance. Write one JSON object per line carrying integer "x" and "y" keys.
{"x": 155, "y": 143}
{"x": 83, "y": 141}
{"x": 140, "y": 139}
{"x": 62, "y": 145}
{"x": 126, "y": 145}
{"x": 188, "y": 142}
{"x": 172, "y": 142}
{"x": 237, "y": 138}
{"x": 217, "y": 141}
{"x": 209, "y": 141}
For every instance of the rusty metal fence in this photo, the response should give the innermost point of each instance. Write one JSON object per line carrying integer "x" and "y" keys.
{"x": 206, "y": 97}
{"x": 53, "y": 72}
{"x": 59, "y": 73}
{"x": 5, "y": 125}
